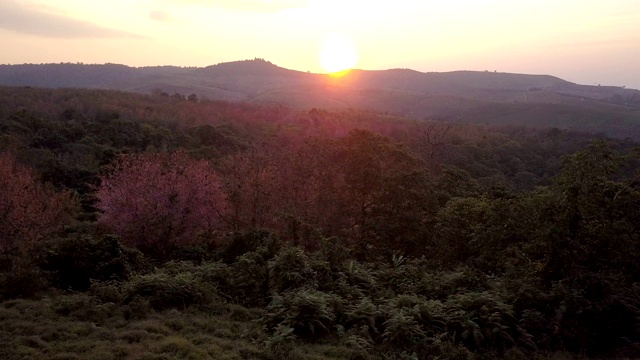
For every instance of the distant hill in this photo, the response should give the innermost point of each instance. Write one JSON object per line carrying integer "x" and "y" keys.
{"x": 462, "y": 96}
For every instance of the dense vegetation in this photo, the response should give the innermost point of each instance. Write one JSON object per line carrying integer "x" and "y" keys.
{"x": 162, "y": 227}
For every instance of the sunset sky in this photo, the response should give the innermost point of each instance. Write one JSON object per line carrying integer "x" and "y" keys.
{"x": 585, "y": 41}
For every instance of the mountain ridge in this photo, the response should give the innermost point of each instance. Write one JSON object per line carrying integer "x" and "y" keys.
{"x": 462, "y": 96}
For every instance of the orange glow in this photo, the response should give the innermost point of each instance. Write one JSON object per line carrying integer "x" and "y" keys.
{"x": 428, "y": 36}
{"x": 338, "y": 74}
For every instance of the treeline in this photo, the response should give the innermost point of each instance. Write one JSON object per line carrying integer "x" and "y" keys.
{"x": 383, "y": 236}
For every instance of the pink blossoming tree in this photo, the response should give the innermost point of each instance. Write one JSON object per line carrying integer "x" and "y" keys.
{"x": 158, "y": 202}
{"x": 30, "y": 211}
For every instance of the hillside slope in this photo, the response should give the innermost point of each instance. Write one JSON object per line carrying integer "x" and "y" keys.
{"x": 464, "y": 96}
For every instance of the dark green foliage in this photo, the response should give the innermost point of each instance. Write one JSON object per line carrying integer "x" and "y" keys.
{"x": 196, "y": 254}
{"x": 241, "y": 243}
{"x": 455, "y": 182}
{"x": 483, "y": 320}
{"x": 73, "y": 262}
{"x": 443, "y": 349}
{"x": 245, "y": 281}
{"x": 478, "y": 229}
{"x": 164, "y": 291}
{"x": 311, "y": 314}
{"x": 179, "y": 285}
{"x": 291, "y": 269}
{"x": 249, "y": 278}
{"x": 365, "y": 315}
{"x": 25, "y": 280}
{"x": 335, "y": 252}
{"x": 401, "y": 330}
{"x": 83, "y": 307}
{"x": 389, "y": 192}
{"x": 354, "y": 281}
{"x": 442, "y": 284}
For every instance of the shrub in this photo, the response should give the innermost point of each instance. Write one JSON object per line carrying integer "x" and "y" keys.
{"x": 483, "y": 320}
{"x": 289, "y": 270}
{"x": 363, "y": 314}
{"x": 75, "y": 261}
{"x": 311, "y": 314}
{"x": 440, "y": 285}
{"x": 280, "y": 342}
{"x": 165, "y": 291}
{"x": 244, "y": 242}
{"x": 249, "y": 278}
{"x": 357, "y": 280}
{"x": 25, "y": 280}
{"x": 402, "y": 330}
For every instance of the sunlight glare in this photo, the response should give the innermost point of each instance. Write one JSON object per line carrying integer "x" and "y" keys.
{"x": 338, "y": 55}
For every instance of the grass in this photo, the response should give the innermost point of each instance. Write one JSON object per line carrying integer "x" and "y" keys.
{"x": 78, "y": 326}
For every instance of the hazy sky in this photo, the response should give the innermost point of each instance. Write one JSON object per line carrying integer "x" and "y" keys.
{"x": 585, "y": 41}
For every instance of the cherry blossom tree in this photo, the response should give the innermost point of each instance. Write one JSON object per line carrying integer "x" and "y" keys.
{"x": 30, "y": 211}
{"x": 157, "y": 202}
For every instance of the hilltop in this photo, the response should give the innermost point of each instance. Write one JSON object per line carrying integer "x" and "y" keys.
{"x": 459, "y": 96}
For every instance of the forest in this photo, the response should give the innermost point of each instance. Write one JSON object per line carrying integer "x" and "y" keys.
{"x": 168, "y": 227}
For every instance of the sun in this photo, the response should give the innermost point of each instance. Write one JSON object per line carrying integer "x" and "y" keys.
{"x": 338, "y": 55}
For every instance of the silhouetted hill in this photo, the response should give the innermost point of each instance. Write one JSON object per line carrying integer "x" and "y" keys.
{"x": 64, "y": 75}
{"x": 256, "y": 67}
{"x": 463, "y": 96}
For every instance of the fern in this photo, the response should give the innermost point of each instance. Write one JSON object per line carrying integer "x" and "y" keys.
{"x": 280, "y": 342}
{"x": 363, "y": 313}
{"x": 310, "y": 313}
{"x": 484, "y": 320}
{"x": 397, "y": 260}
{"x": 402, "y": 330}
{"x": 358, "y": 339}
{"x": 289, "y": 270}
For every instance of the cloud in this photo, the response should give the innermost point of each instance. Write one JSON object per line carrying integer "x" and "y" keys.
{"x": 258, "y": 6}
{"x": 159, "y": 15}
{"x": 27, "y": 20}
